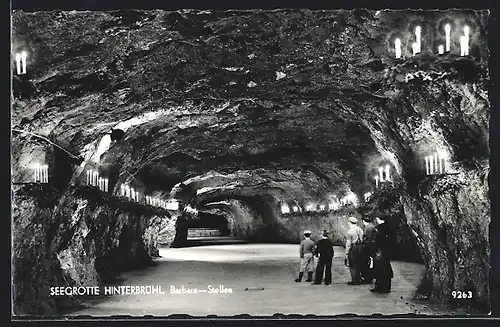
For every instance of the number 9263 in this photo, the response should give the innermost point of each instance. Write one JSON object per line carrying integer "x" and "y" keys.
{"x": 461, "y": 294}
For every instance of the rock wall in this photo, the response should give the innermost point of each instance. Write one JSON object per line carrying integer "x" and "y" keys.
{"x": 80, "y": 238}
{"x": 451, "y": 221}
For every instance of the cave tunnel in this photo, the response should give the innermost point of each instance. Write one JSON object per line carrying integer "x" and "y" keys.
{"x": 245, "y": 129}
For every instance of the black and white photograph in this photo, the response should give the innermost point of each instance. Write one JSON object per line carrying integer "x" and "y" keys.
{"x": 255, "y": 162}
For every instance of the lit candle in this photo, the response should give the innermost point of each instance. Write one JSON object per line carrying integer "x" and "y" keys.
{"x": 431, "y": 165}
{"x": 447, "y": 31}
{"x": 436, "y": 162}
{"x": 427, "y": 170}
{"x": 376, "y": 181}
{"x": 414, "y": 47}
{"x": 132, "y": 193}
{"x": 99, "y": 183}
{"x": 18, "y": 63}
{"x": 441, "y": 49}
{"x": 381, "y": 174}
{"x": 122, "y": 190}
{"x": 127, "y": 191}
{"x": 106, "y": 185}
{"x": 397, "y": 45}
{"x": 45, "y": 173}
{"x": 87, "y": 177}
{"x": 24, "y": 56}
{"x": 462, "y": 45}
{"x": 466, "y": 40}
{"x": 387, "y": 173}
{"x": 441, "y": 159}
{"x": 419, "y": 39}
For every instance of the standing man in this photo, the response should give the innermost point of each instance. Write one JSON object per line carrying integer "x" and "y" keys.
{"x": 324, "y": 248}
{"x": 354, "y": 250}
{"x": 368, "y": 250}
{"x": 306, "y": 257}
{"x": 381, "y": 261}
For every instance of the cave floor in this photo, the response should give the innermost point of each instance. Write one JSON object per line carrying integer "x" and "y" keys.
{"x": 261, "y": 277}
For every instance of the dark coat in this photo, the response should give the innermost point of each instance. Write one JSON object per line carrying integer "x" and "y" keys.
{"x": 324, "y": 248}
{"x": 384, "y": 240}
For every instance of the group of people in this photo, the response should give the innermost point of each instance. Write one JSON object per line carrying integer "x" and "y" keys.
{"x": 367, "y": 255}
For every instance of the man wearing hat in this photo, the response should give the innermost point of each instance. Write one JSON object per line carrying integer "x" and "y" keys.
{"x": 306, "y": 257}
{"x": 354, "y": 250}
{"x": 324, "y": 248}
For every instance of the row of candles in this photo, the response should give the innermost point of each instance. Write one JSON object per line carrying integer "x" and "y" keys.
{"x": 21, "y": 59}
{"x": 93, "y": 179}
{"x": 41, "y": 173}
{"x": 436, "y": 163}
{"x": 417, "y": 46}
{"x": 155, "y": 201}
{"x": 285, "y": 209}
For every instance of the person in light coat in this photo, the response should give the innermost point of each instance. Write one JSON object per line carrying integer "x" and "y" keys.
{"x": 306, "y": 257}
{"x": 354, "y": 251}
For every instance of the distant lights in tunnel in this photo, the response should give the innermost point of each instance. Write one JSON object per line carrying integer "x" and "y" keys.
{"x": 333, "y": 206}
{"x": 172, "y": 205}
{"x": 295, "y": 209}
{"x": 21, "y": 60}
{"x": 285, "y": 209}
{"x": 41, "y": 173}
{"x": 322, "y": 207}
{"x": 310, "y": 207}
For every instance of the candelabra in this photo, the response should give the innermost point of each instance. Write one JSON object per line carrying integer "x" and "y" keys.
{"x": 41, "y": 173}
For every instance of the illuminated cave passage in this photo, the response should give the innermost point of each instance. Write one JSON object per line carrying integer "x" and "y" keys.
{"x": 145, "y": 125}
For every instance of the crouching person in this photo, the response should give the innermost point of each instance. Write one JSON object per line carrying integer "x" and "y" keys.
{"x": 306, "y": 257}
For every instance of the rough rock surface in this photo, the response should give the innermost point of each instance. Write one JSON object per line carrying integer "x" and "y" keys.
{"x": 290, "y": 106}
{"x": 77, "y": 239}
